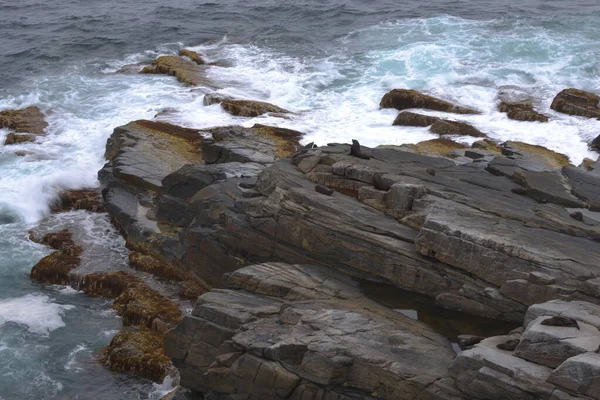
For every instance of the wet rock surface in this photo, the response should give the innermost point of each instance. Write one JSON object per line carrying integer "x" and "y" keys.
{"x": 521, "y": 111}
{"x": 243, "y": 108}
{"x": 402, "y": 99}
{"x": 186, "y": 70}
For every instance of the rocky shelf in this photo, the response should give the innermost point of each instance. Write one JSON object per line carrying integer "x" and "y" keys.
{"x": 272, "y": 239}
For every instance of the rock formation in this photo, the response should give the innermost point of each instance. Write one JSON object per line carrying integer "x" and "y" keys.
{"x": 27, "y": 123}
{"x": 402, "y": 99}
{"x": 521, "y": 111}
{"x": 577, "y": 102}
{"x": 243, "y": 108}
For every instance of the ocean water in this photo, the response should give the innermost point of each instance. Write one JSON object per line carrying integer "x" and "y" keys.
{"x": 328, "y": 61}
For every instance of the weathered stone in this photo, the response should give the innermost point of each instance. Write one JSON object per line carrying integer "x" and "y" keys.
{"x": 85, "y": 199}
{"x": 56, "y": 267}
{"x": 192, "y": 55}
{"x": 402, "y": 99}
{"x": 326, "y": 333}
{"x": 551, "y": 345}
{"x": 579, "y": 374}
{"x": 408, "y": 118}
{"x": 249, "y": 108}
{"x": 13, "y": 138}
{"x": 521, "y": 111}
{"x": 186, "y": 72}
{"x": 28, "y": 120}
{"x": 577, "y": 102}
{"x": 445, "y": 127}
{"x": 138, "y": 351}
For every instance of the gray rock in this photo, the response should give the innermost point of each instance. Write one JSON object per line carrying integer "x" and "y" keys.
{"x": 579, "y": 374}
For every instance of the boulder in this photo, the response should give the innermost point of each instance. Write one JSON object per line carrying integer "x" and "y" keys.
{"x": 402, "y": 99}
{"x": 407, "y": 118}
{"x": 186, "y": 71}
{"x": 579, "y": 374}
{"x": 291, "y": 331}
{"x": 445, "y": 127}
{"x": 521, "y": 111}
{"x": 27, "y": 120}
{"x": 577, "y": 102}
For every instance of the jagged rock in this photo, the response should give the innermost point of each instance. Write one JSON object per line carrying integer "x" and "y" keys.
{"x": 27, "y": 120}
{"x": 445, "y": 127}
{"x": 285, "y": 331}
{"x": 13, "y": 138}
{"x": 131, "y": 68}
{"x": 585, "y": 185}
{"x": 577, "y": 102}
{"x": 192, "y": 55}
{"x": 139, "y": 351}
{"x": 402, "y": 99}
{"x": 85, "y": 199}
{"x": 407, "y": 118}
{"x": 213, "y": 98}
{"x": 521, "y": 111}
{"x": 186, "y": 72}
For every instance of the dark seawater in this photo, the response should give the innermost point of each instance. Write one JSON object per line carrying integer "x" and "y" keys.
{"x": 331, "y": 61}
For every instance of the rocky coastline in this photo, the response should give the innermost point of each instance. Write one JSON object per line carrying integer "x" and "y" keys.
{"x": 270, "y": 239}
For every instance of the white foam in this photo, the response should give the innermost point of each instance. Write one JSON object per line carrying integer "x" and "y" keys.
{"x": 36, "y": 312}
{"x": 71, "y": 363}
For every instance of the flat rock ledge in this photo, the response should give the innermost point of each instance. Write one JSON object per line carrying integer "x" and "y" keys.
{"x": 280, "y": 331}
{"x": 243, "y": 108}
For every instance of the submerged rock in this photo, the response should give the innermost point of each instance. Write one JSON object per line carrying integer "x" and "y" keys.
{"x": 402, "y": 99}
{"x": 521, "y": 111}
{"x": 577, "y": 102}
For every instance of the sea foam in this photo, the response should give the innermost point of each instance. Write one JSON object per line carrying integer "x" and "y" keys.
{"x": 35, "y": 312}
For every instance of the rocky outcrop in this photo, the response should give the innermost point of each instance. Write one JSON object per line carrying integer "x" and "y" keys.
{"x": 521, "y": 111}
{"x": 13, "y": 138}
{"x": 280, "y": 331}
{"x": 186, "y": 71}
{"x": 402, "y": 99}
{"x": 577, "y": 102}
{"x": 550, "y": 361}
{"x": 243, "y": 108}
